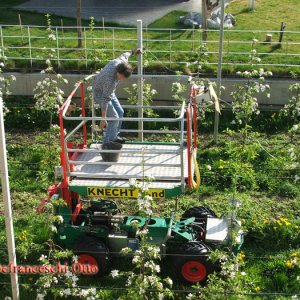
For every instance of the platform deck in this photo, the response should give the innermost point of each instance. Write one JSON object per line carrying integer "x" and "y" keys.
{"x": 162, "y": 166}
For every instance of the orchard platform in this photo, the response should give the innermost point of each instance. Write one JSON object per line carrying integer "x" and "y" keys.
{"x": 166, "y": 169}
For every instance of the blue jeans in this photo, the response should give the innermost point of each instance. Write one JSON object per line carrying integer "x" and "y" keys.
{"x": 114, "y": 110}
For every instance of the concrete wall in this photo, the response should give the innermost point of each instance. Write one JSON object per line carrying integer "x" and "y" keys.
{"x": 25, "y": 84}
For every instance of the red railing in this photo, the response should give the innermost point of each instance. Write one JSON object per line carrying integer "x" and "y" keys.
{"x": 62, "y": 128}
{"x": 189, "y": 144}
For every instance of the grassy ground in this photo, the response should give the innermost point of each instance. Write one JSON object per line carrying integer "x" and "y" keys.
{"x": 268, "y": 16}
{"x": 270, "y": 205}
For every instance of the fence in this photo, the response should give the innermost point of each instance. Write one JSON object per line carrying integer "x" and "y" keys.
{"x": 168, "y": 50}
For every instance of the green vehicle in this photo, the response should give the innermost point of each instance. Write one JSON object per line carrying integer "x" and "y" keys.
{"x": 93, "y": 226}
{"x": 101, "y": 231}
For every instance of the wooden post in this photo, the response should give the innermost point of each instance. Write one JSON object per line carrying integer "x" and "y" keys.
{"x": 204, "y": 20}
{"x": 282, "y": 29}
{"x": 62, "y": 32}
{"x": 20, "y": 22}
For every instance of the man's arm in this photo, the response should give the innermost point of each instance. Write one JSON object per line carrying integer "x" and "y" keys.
{"x": 125, "y": 56}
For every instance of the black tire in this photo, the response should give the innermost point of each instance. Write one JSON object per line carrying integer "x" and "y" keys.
{"x": 91, "y": 250}
{"x": 191, "y": 265}
{"x": 200, "y": 213}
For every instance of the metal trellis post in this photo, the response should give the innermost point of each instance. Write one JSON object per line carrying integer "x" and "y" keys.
{"x": 219, "y": 78}
{"x": 140, "y": 78}
{"x": 7, "y": 208}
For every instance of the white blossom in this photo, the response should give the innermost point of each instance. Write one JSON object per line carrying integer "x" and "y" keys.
{"x": 295, "y": 127}
{"x": 60, "y": 219}
{"x": 135, "y": 259}
{"x": 52, "y": 37}
{"x": 114, "y": 273}
{"x": 54, "y": 279}
{"x": 189, "y": 296}
{"x": 67, "y": 292}
{"x": 132, "y": 181}
{"x": 42, "y": 257}
{"x": 169, "y": 281}
{"x": 75, "y": 258}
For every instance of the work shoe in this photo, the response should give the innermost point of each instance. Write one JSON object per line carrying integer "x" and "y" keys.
{"x": 113, "y": 157}
{"x": 120, "y": 140}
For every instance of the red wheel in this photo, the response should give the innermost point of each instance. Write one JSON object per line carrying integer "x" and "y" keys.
{"x": 193, "y": 271}
{"x": 190, "y": 262}
{"x": 85, "y": 259}
{"x": 92, "y": 255}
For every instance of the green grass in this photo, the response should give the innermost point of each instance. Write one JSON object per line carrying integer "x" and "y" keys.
{"x": 170, "y": 20}
{"x": 268, "y": 16}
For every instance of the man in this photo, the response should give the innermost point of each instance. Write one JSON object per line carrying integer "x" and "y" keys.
{"x": 104, "y": 87}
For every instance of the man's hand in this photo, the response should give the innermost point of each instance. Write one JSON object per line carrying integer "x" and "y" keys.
{"x": 136, "y": 51}
{"x": 103, "y": 124}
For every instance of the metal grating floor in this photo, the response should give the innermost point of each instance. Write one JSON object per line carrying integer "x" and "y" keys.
{"x": 161, "y": 172}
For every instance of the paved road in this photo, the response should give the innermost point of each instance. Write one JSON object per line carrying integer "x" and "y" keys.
{"x": 121, "y": 11}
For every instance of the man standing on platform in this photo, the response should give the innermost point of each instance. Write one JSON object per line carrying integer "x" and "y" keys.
{"x": 104, "y": 87}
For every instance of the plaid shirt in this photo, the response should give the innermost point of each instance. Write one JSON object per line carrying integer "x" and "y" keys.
{"x": 105, "y": 83}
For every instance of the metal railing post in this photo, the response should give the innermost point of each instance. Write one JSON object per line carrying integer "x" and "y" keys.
{"x": 286, "y": 50}
{"x": 140, "y": 77}
{"x": 57, "y": 48}
{"x": 29, "y": 45}
{"x": 113, "y": 42}
{"x": 85, "y": 50}
{"x": 170, "y": 48}
{"x": 83, "y": 112}
{"x": 103, "y": 31}
{"x": 2, "y": 42}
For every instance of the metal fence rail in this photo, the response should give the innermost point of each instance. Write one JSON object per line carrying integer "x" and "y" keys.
{"x": 167, "y": 49}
